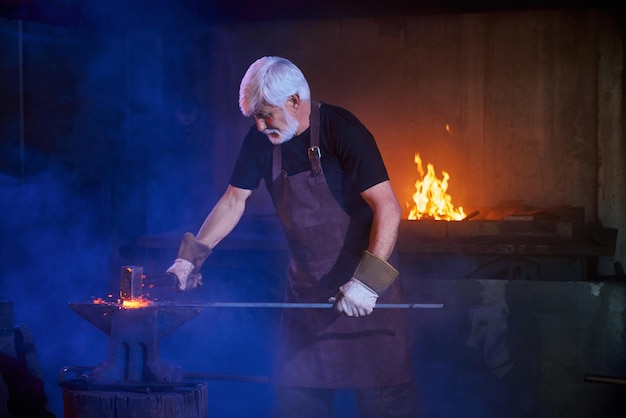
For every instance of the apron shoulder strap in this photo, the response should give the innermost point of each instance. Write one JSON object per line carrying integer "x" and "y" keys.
{"x": 314, "y": 149}
{"x": 314, "y": 152}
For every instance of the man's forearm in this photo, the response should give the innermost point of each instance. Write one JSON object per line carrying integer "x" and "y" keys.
{"x": 387, "y": 213}
{"x": 374, "y": 269}
{"x": 224, "y": 217}
{"x": 384, "y": 234}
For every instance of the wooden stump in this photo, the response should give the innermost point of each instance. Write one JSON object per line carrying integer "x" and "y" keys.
{"x": 180, "y": 400}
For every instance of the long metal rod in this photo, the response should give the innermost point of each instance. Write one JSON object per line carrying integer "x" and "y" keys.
{"x": 286, "y": 305}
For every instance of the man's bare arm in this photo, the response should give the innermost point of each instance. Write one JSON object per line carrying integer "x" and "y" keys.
{"x": 224, "y": 216}
{"x": 387, "y": 213}
{"x": 373, "y": 274}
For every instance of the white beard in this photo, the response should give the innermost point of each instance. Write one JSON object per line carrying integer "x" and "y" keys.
{"x": 277, "y": 137}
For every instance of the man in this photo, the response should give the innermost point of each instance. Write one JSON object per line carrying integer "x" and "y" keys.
{"x": 340, "y": 216}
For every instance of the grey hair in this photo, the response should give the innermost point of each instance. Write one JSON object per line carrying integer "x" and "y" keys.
{"x": 271, "y": 80}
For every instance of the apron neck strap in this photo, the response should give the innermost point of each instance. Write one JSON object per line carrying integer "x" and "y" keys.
{"x": 314, "y": 152}
{"x": 314, "y": 149}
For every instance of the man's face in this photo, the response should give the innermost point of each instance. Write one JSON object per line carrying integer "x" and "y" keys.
{"x": 276, "y": 122}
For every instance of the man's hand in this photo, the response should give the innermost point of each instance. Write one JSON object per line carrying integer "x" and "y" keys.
{"x": 354, "y": 299}
{"x": 186, "y": 267}
{"x": 185, "y": 277}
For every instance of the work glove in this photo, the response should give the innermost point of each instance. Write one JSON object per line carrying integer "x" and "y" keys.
{"x": 186, "y": 267}
{"x": 185, "y": 277}
{"x": 354, "y": 299}
{"x": 372, "y": 276}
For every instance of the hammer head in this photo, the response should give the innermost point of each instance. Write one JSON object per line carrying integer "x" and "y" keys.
{"x": 131, "y": 285}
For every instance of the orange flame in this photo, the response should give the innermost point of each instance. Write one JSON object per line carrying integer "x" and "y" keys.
{"x": 431, "y": 198}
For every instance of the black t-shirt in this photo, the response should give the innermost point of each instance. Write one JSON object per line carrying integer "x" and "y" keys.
{"x": 350, "y": 160}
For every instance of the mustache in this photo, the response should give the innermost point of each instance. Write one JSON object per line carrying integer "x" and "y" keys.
{"x": 271, "y": 131}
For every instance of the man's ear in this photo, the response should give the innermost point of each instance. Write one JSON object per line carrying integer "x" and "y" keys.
{"x": 294, "y": 102}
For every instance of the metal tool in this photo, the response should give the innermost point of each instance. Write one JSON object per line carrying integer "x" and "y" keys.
{"x": 161, "y": 280}
{"x": 131, "y": 282}
{"x": 170, "y": 280}
{"x": 287, "y": 305}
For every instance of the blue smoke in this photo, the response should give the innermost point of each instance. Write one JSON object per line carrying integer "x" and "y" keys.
{"x": 53, "y": 253}
{"x": 113, "y": 146}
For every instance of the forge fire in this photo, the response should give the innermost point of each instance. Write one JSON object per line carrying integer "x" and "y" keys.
{"x": 431, "y": 199}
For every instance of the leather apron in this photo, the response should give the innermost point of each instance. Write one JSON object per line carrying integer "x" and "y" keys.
{"x": 320, "y": 347}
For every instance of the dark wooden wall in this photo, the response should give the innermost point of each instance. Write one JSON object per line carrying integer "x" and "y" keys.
{"x": 508, "y": 103}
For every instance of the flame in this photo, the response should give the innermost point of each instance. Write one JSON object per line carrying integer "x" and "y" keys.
{"x": 431, "y": 198}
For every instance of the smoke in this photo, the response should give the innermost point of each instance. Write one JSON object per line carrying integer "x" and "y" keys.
{"x": 113, "y": 146}
{"x": 52, "y": 254}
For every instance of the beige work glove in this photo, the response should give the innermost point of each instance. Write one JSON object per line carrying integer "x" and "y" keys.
{"x": 186, "y": 267}
{"x": 185, "y": 277}
{"x": 358, "y": 296}
{"x": 355, "y": 299}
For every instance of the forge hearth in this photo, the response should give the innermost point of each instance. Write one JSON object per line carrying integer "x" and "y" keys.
{"x": 542, "y": 245}
{"x": 512, "y": 234}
